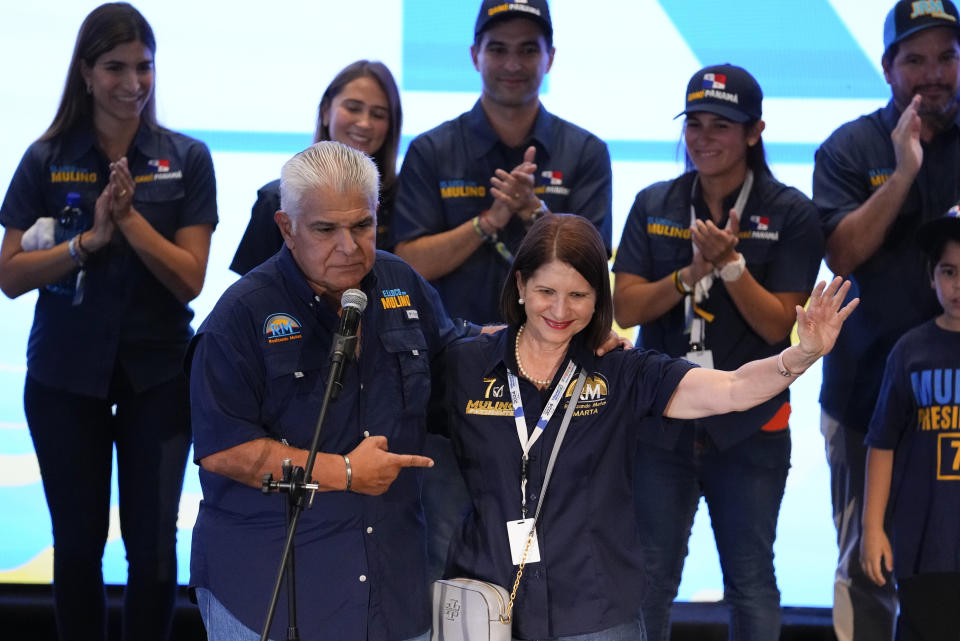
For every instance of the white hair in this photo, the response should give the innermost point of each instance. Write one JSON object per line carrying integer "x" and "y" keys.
{"x": 327, "y": 165}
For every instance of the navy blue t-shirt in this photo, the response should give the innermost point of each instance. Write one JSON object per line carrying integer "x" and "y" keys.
{"x": 591, "y": 576}
{"x": 127, "y": 316}
{"x": 893, "y": 284}
{"x": 445, "y": 181}
{"x": 918, "y": 415}
{"x": 781, "y": 241}
{"x": 260, "y": 367}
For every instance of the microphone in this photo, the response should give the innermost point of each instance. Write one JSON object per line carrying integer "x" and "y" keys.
{"x": 352, "y": 303}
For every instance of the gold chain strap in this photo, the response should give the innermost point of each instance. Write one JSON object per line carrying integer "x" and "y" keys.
{"x": 516, "y": 583}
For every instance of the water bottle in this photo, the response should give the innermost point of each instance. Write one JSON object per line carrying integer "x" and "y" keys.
{"x": 71, "y": 221}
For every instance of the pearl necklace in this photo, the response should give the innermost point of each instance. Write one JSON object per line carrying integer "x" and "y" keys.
{"x": 516, "y": 352}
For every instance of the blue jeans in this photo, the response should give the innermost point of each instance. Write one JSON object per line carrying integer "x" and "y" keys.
{"x": 743, "y": 487}
{"x": 221, "y": 625}
{"x": 74, "y": 437}
{"x": 626, "y": 632}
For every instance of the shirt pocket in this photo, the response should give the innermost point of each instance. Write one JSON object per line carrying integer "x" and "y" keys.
{"x": 159, "y": 203}
{"x": 293, "y": 391}
{"x": 407, "y": 347}
{"x": 668, "y": 254}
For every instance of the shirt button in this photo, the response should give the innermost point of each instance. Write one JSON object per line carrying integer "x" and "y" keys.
{"x": 533, "y": 496}
{"x": 366, "y": 433}
{"x": 369, "y": 530}
{"x": 363, "y": 578}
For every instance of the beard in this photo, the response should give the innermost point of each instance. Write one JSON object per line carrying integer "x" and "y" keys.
{"x": 939, "y": 114}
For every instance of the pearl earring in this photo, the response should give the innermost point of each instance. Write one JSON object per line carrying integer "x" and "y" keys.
{"x": 520, "y": 300}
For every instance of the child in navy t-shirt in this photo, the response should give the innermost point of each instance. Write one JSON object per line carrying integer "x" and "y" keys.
{"x": 913, "y": 461}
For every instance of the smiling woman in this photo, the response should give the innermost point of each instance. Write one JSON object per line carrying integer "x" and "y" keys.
{"x": 716, "y": 280}
{"x": 109, "y": 216}
{"x": 361, "y": 109}
{"x": 557, "y": 306}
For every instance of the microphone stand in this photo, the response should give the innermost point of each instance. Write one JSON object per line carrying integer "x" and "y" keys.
{"x": 294, "y": 483}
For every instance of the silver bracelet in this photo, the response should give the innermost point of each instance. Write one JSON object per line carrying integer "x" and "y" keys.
{"x": 346, "y": 461}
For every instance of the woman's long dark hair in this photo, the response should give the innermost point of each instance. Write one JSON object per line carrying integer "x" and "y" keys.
{"x": 386, "y": 156}
{"x": 106, "y": 27}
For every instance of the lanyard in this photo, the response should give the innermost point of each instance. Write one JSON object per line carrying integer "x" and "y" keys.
{"x": 694, "y": 315}
{"x": 527, "y": 442}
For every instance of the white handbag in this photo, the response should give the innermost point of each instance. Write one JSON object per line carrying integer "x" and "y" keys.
{"x": 474, "y": 610}
{"x": 470, "y": 609}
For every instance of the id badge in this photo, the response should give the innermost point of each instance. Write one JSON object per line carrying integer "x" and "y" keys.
{"x": 703, "y": 358}
{"x": 517, "y": 532}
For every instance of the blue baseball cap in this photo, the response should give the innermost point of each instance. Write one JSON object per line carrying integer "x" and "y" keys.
{"x": 910, "y": 16}
{"x": 726, "y": 90}
{"x": 496, "y": 10}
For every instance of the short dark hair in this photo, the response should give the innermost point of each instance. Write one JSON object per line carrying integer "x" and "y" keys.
{"x": 570, "y": 239}
{"x": 935, "y": 251}
{"x": 104, "y": 28}
{"x": 386, "y": 156}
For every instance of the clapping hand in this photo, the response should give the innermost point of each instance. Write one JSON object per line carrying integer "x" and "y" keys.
{"x": 122, "y": 188}
{"x": 717, "y": 246}
{"x": 513, "y": 192}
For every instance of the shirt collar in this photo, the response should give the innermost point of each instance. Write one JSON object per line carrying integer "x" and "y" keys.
{"x": 81, "y": 139}
{"x": 298, "y": 284}
{"x": 483, "y": 138}
{"x": 729, "y": 200}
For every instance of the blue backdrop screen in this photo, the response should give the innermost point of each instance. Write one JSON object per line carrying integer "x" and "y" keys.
{"x": 246, "y": 77}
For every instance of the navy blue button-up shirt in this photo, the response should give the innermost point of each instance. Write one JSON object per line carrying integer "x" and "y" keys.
{"x": 893, "y": 284}
{"x": 445, "y": 181}
{"x": 127, "y": 315}
{"x": 591, "y": 575}
{"x": 781, "y": 241}
{"x": 260, "y": 367}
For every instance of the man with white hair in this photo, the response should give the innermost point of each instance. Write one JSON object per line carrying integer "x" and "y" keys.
{"x": 260, "y": 366}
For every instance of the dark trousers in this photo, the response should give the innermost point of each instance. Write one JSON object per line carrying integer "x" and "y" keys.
{"x": 74, "y": 437}
{"x": 743, "y": 487}
{"x": 929, "y": 607}
{"x": 862, "y": 610}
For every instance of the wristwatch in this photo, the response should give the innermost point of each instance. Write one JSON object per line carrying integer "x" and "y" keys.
{"x": 734, "y": 269}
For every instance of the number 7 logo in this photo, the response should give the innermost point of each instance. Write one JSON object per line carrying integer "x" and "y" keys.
{"x": 948, "y": 457}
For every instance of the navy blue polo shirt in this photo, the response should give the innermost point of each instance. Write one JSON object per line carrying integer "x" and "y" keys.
{"x": 127, "y": 316}
{"x": 918, "y": 415}
{"x": 262, "y": 238}
{"x": 260, "y": 368}
{"x": 591, "y": 576}
{"x": 445, "y": 181}
{"x": 781, "y": 241}
{"x": 893, "y": 284}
